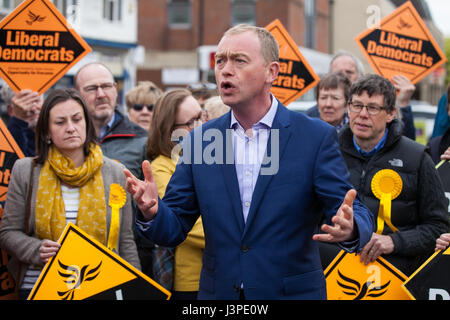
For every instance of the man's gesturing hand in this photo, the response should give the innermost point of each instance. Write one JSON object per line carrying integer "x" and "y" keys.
{"x": 145, "y": 193}
{"x": 342, "y": 229}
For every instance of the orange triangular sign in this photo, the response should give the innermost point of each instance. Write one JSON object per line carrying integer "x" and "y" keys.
{"x": 37, "y": 46}
{"x": 296, "y": 76}
{"x": 7, "y": 142}
{"x": 349, "y": 279}
{"x": 401, "y": 44}
{"x": 9, "y": 153}
{"x": 83, "y": 268}
{"x": 447, "y": 252}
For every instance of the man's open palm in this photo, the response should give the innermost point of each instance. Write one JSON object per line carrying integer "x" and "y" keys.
{"x": 342, "y": 228}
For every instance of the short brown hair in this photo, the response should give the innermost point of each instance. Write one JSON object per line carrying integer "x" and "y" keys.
{"x": 270, "y": 50}
{"x": 375, "y": 84}
{"x": 42, "y": 126}
{"x": 335, "y": 80}
{"x": 159, "y": 140}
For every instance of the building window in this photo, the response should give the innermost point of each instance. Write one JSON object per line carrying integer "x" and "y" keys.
{"x": 179, "y": 13}
{"x": 67, "y": 7}
{"x": 6, "y": 4}
{"x": 112, "y": 10}
{"x": 243, "y": 11}
{"x": 310, "y": 23}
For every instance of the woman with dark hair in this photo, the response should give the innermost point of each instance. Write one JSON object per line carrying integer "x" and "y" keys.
{"x": 58, "y": 186}
{"x": 175, "y": 114}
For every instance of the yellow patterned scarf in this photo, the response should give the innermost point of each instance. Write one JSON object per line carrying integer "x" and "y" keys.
{"x": 50, "y": 213}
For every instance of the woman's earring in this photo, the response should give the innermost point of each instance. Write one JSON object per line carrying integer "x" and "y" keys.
{"x": 49, "y": 141}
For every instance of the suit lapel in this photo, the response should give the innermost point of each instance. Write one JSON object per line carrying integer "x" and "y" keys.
{"x": 229, "y": 172}
{"x": 276, "y": 145}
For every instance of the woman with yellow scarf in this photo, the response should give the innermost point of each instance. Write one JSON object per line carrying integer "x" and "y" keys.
{"x": 69, "y": 180}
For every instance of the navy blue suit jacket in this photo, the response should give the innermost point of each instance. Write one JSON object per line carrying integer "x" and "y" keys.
{"x": 272, "y": 254}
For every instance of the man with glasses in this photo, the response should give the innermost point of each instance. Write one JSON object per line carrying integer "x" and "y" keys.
{"x": 390, "y": 170}
{"x": 120, "y": 139}
{"x": 353, "y": 68}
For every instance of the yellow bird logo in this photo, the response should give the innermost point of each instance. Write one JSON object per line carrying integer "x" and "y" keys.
{"x": 74, "y": 277}
{"x": 352, "y": 287}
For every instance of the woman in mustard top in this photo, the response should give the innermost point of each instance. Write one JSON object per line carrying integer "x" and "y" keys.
{"x": 174, "y": 115}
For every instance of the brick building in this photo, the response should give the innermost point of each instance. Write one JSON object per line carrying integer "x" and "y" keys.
{"x": 180, "y": 36}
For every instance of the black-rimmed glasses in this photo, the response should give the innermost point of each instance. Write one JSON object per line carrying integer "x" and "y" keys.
{"x": 372, "y": 109}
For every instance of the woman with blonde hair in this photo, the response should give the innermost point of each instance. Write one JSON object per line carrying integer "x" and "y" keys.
{"x": 215, "y": 107}
{"x": 140, "y": 102}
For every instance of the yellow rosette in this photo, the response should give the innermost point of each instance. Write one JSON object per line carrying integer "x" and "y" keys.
{"x": 386, "y": 186}
{"x": 117, "y": 199}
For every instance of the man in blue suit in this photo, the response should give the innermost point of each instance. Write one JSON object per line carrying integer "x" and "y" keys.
{"x": 257, "y": 176}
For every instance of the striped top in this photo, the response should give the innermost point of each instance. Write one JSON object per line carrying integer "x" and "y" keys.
{"x": 71, "y": 198}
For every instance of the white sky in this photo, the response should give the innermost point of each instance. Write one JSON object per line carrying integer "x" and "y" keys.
{"x": 440, "y": 10}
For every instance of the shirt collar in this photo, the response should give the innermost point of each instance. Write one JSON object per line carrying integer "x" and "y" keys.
{"x": 379, "y": 145}
{"x": 344, "y": 121}
{"x": 267, "y": 120}
{"x": 105, "y": 128}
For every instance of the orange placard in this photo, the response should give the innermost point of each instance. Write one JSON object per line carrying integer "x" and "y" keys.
{"x": 401, "y": 44}
{"x": 37, "y": 46}
{"x": 349, "y": 279}
{"x": 9, "y": 153}
{"x": 83, "y": 268}
{"x": 296, "y": 75}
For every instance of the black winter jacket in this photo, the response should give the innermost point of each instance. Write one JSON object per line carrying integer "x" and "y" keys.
{"x": 438, "y": 145}
{"x": 126, "y": 142}
{"x": 419, "y": 212}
